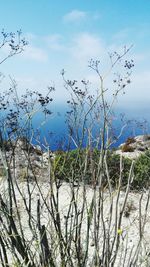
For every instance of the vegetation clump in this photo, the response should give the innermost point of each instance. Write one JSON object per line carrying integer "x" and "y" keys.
{"x": 142, "y": 171}
{"x": 127, "y": 148}
{"x": 130, "y": 140}
{"x": 70, "y": 166}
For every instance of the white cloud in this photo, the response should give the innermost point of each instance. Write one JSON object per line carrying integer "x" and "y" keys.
{"x": 75, "y": 53}
{"x": 31, "y": 51}
{"x": 35, "y": 54}
{"x": 86, "y": 46}
{"x": 75, "y": 16}
{"x": 138, "y": 93}
{"x": 54, "y": 42}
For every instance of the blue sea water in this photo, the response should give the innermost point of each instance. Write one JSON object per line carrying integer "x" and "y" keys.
{"x": 53, "y": 130}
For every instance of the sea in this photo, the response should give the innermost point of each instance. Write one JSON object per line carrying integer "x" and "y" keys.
{"x": 52, "y": 130}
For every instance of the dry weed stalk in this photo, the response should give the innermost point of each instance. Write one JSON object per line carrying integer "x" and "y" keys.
{"x": 37, "y": 228}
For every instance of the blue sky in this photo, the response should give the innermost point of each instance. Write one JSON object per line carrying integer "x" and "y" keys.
{"x": 67, "y": 34}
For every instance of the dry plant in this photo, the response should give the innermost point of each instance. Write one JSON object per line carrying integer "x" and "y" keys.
{"x": 74, "y": 223}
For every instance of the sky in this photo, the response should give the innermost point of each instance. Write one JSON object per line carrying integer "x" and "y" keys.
{"x": 67, "y": 34}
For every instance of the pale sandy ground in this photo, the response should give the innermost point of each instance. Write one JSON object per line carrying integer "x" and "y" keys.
{"x": 130, "y": 225}
{"x": 129, "y": 155}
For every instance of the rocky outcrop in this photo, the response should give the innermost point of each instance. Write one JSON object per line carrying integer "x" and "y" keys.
{"x": 134, "y": 146}
{"x": 25, "y": 160}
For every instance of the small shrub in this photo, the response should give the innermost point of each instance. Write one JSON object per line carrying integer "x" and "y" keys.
{"x": 68, "y": 165}
{"x": 142, "y": 171}
{"x": 114, "y": 169}
{"x": 130, "y": 140}
{"x": 127, "y": 148}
